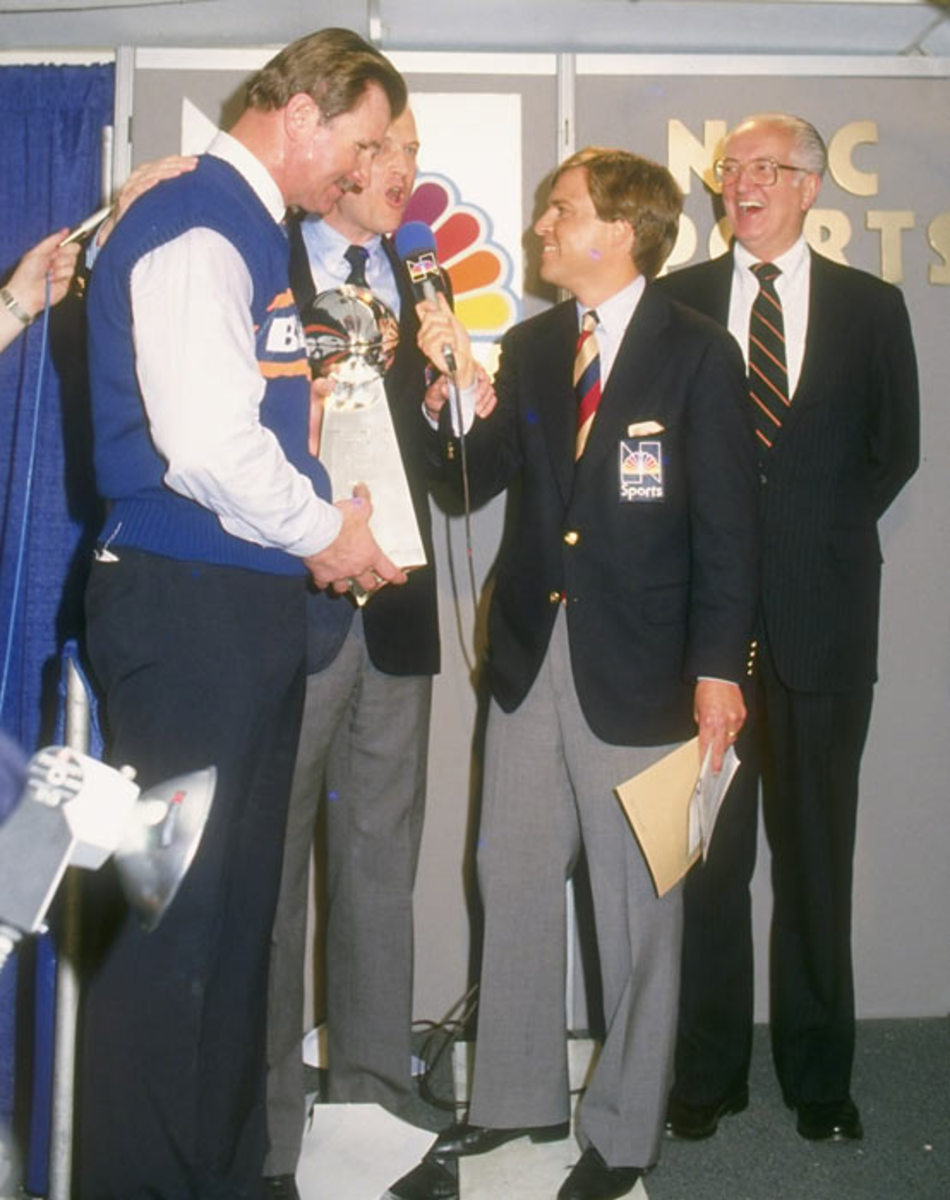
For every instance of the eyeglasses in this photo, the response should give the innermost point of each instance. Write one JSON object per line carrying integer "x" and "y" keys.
{"x": 761, "y": 171}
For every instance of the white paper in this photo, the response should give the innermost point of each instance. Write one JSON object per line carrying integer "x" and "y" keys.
{"x": 707, "y": 799}
{"x": 355, "y": 1151}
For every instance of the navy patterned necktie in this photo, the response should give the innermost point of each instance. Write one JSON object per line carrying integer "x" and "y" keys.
{"x": 768, "y": 371}
{"x": 357, "y": 257}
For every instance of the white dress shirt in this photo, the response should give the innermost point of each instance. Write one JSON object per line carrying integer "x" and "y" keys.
{"x": 613, "y": 317}
{"x": 792, "y": 288}
{"x": 202, "y": 388}
{"x": 326, "y": 247}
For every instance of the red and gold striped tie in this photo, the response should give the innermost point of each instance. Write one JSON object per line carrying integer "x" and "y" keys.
{"x": 586, "y": 380}
{"x": 768, "y": 373}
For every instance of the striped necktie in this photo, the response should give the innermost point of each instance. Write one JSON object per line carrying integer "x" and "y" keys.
{"x": 586, "y": 380}
{"x": 768, "y": 374}
{"x": 357, "y": 257}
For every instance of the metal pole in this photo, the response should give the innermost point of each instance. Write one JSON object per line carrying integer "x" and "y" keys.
{"x": 566, "y": 101}
{"x": 566, "y": 105}
{"x": 67, "y": 977}
{"x": 117, "y": 161}
{"x": 107, "y": 144}
{"x": 374, "y": 22}
{"x": 122, "y": 137}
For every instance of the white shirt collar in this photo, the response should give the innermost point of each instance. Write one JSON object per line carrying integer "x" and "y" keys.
{"x": 228, "y": 148}
{"x": 329, "y": 241}
{"x": 613, "y": 316}
{"x": 614, "y": 313}
{"x": 790, "y": 263}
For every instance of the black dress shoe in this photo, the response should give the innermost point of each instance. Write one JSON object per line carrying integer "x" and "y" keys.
{"x": 464, "y": 1139}
{"x": 430, "y": 1180}
{"x": 697, "y": 1121}
{"x": 280, "y": 1187}
{"x": 834, "y": 1121}
{"x": 592, "y": 1179}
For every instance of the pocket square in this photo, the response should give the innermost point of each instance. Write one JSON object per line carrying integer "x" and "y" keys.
{"x": 644, "y": 428}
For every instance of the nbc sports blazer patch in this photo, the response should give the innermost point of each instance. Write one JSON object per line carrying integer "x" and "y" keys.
{"x": 641, "y": 471}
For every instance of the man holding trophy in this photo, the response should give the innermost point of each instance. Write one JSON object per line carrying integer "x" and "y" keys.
{"x": 364, "y": 738}
{"x": 216, "y": 515}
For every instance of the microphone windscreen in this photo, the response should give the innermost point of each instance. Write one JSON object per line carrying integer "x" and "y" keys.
{"x": 413, "y": 238}
{"x": 415, "y": 245}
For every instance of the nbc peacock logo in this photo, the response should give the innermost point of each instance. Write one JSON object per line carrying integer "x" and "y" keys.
{"x": 480, "y": 270}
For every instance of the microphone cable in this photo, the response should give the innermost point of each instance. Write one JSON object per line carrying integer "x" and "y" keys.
{"x": 439, "y": 1039}
{"x": 455, "y": 400}
{"x": 27, "y": 496}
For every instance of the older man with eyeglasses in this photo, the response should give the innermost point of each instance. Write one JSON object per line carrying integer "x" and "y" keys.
{"x": 833, "y": 397}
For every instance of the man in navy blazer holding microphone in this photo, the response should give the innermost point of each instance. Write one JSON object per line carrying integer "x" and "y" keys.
{"x": 620, "y": 621}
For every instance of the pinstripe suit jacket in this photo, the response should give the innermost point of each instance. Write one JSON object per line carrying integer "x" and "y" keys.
{"x": 849, "y": 443}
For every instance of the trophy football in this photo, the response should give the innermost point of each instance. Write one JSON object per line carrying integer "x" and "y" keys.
{"x": 351, "y": 338}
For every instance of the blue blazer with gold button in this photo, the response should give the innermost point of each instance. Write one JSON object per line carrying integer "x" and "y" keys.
{"x": 650, "y": 540}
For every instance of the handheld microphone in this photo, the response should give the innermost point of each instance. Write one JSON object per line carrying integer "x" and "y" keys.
{"x": 415, "y": 245}
{"x": 87, "y": 226}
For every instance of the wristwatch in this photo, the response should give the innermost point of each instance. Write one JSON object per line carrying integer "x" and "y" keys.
{"x": 12, "y": 305}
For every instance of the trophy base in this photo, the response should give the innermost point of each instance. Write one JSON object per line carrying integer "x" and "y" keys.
{"x": 358, "y": 445}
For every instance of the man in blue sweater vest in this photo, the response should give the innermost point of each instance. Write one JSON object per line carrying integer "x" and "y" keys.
{"x": 217, "y": 514}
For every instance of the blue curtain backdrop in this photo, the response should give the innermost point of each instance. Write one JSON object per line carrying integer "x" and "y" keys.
{"x": 51, "y": 120}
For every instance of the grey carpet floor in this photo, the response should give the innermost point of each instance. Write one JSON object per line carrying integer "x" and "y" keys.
{"x": 901, "y": 1084}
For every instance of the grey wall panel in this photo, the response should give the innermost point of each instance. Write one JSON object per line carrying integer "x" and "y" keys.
{"x": 903, "y": 882}
{"x": 902, "y": 885}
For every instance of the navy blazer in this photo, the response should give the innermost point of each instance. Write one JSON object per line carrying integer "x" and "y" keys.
{"x": 848, "y": 444}
{"x": 658, "y": 576}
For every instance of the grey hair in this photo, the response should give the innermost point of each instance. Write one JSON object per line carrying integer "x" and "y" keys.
{"x": 810, "y": 151}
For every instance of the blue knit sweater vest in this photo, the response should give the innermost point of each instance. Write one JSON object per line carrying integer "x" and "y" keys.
{"x": 143, "y": 511}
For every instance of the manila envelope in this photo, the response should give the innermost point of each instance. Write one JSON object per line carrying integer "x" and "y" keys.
{"x": 656, "y": 803}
